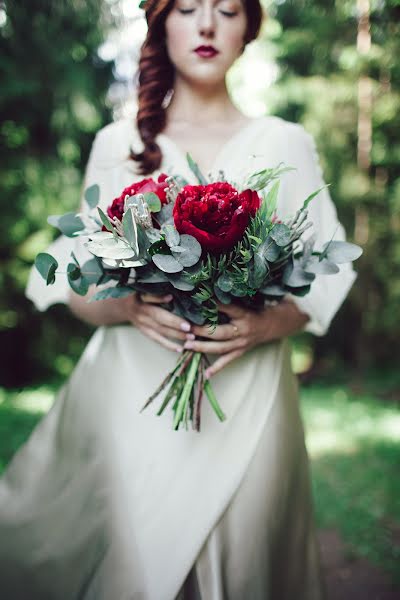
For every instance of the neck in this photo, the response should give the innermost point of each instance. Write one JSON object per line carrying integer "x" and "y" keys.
{"x": 200, "y": 103}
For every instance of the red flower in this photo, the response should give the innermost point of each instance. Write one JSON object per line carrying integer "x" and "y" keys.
{"x": 215, "y": 214}
{"x": 145, "y": 185}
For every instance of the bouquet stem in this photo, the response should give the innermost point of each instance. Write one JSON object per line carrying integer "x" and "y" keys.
{"x": 187, "y": 386}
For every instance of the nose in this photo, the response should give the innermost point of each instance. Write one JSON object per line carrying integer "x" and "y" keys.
{"x": 206, "y": 21}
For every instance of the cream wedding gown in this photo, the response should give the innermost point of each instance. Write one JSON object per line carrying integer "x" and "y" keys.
{"x": 106, "y": 503}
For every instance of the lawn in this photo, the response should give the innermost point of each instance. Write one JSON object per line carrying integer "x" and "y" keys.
{"x": 353, "y": 439}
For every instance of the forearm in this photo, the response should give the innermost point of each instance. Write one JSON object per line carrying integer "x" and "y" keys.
{"x": 103, "y": 312}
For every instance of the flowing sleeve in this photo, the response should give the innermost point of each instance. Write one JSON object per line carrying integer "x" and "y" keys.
{"x": 327, "y": 292}
{"x": 37, "y": 291}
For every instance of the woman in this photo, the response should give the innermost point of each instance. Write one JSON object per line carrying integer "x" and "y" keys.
{"x": 104, "y": 502}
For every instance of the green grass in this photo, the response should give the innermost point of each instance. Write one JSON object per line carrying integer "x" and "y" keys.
{"x": 354, "y": 444}
{"x": 353, "y": 439}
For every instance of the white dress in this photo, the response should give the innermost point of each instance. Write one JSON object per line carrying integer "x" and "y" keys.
{"x": 106, "y": 503}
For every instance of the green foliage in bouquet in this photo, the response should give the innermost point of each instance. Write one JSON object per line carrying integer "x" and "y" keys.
{"x": 143, "y": 251}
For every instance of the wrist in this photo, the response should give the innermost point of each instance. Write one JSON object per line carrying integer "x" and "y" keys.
{"x": 283, "y": 319}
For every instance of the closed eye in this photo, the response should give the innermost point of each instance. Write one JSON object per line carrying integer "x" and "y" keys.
{"x": 188, "y": 11}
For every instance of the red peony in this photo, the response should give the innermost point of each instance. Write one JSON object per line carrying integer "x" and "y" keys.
{"x": 145, "y": 185}
{"x": 215, "y": 214}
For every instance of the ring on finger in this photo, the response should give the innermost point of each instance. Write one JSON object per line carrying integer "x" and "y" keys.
{"x": 235, "y": 330}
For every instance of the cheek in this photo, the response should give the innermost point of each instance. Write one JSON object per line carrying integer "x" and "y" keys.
{"x": 179, "y": 37}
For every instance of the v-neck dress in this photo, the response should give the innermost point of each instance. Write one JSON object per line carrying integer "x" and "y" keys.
{"x": 104, "y": 502}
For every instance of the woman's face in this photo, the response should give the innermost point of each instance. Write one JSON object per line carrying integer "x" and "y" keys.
{"x": 193, "y": 23}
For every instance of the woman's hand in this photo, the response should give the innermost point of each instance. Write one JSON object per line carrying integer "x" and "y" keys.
{"x": 246, "y": 329}
{"x": 156, "y": 322}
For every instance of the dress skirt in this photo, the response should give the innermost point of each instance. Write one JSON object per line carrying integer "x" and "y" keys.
{"x": 104, "y": 502}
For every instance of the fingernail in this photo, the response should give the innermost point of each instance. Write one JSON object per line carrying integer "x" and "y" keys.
{"x": 179, "y": 350}
{"x": 190, "y": 336}
{"x": 207, "y": 374}
{"x": 168, "y": 298}
{"x": 185, "y": 326}
{"x": 188, "y": 345}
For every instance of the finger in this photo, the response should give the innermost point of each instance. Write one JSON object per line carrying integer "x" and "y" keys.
{"x": 165, "y": 342}
{"x": 221, "y": 332}
{"x": 152, "y": 298}
{"x": 166, "y": 331}
{"x": 214, "y": 347}
{"x": 221, "y": 362}
{"x": 166, "y": 318}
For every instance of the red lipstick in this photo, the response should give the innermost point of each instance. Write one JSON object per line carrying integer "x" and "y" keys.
{"x": 206, "y": 51}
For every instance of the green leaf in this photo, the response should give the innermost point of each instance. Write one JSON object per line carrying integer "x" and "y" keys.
{"x": 323, "y": 267}
{"x": 78, "y": 283}
{"x": 130, "y": 230}
{"x": 180, "y": 282}
{"x": 92, "y": 195}
{"x": 193, "y": 166}
{"x": 69, "y": 224}
{"x": 225, "y": 282}
{"x": 105, "y": 220}
{"x": 269, "y": 250}
{"x": 297, "y": 277}
{"x": 311, "y": 196}
{"x": 92, "y": 271}
{"x": 172, "y": 236}
{"x": 114, "y": 292}
{"x": 281, "y": 234}
{"x": 342, "y": 252}
{"x": 271, "y": 199}
{"x": 167, "y": 263}
{"x": 221, "y": 295}
{"x": 47, "y": 266}
{"x": 192, "y": 251}
{"x": 153, "y": 201}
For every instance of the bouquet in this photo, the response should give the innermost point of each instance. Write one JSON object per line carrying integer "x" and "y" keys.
{"x": 214, "y": 242}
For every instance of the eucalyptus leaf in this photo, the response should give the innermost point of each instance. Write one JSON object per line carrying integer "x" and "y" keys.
{"x": 69, "y": 224}
{"x": 172, "y": 236}
{"x": 79, "y": 284}
{"x": 92, "y": 271}
{"x": 342, "y": 252}
{"x": 153, "y": 201}
{"x": 281, "y": 234}
{"x": 47, "y": 266}
{"x": 191, "y": 244}
{"x": 269, "y": 249}
{"x": 130, "y": 230}
{"x": 224, "y": 282}
{"x": 167, "y": 263}
{"x": 92, "y": 195}
{"x": 112, "y": 292}
{"x": 323, "y": 267}
{"x": 180, "y": 282}
{"x": 297, "y": 277}
{"x": 222, "y": 296}
{"x": 165, "y": 214}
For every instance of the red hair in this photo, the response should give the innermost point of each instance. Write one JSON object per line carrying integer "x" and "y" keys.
{"x": 156, "y": 77}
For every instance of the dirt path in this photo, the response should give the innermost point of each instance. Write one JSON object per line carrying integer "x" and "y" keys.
{"x": 351, "y": 579}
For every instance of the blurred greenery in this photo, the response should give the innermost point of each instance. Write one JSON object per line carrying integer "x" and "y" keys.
{"x": 52, "y": 102}
{"x": 353, "y": 440}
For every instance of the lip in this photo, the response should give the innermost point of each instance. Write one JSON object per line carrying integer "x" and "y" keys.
{"x": 206, "y": 51}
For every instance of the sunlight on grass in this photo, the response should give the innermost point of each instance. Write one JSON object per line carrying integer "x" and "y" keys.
{"x": 354, "y": 445}
{"x": 334, "y": 423}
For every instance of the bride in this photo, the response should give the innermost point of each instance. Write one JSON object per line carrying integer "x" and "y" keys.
{"x": 106, "y": 503}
